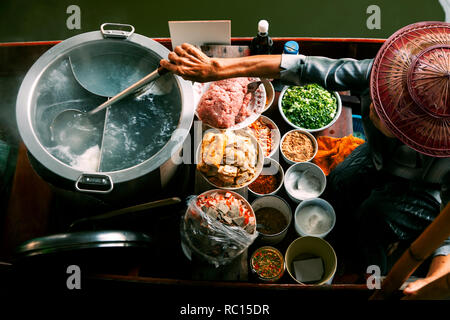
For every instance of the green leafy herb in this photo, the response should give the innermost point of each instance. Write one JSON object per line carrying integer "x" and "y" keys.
{"x": 309, "y": 106}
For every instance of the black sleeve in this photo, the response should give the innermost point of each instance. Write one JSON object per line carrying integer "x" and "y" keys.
{"x": 332, "y": 74}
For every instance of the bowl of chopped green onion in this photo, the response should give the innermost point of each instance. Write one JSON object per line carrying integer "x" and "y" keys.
{"x": 310, "y": 107}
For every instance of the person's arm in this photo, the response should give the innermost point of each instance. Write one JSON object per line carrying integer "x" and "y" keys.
{"x": 438, "y": 289}
{"x": 435, "y": 286}
{"x": 192, "y": 64}
{"x": 334, "y": 74}
{"x": 440, "y": 266}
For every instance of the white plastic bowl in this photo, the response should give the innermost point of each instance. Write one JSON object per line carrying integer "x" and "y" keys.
{"x": 258, "y": 103}
{"x": 314, "y": 202}
{"x": 336, "y": 116}
{"x": 313, "y": 139}
{"x": 298, "y": 168}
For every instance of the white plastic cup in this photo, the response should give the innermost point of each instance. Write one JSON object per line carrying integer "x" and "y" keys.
{"x": 319, "y": 203}
{"x": 297, "y": 169}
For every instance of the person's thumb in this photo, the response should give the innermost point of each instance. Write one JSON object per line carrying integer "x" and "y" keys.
{"x": 414, "y": 286}
{"x": 169, "y": 66}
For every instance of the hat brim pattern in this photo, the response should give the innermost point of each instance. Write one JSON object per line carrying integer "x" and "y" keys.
{"x": 389, "y": 89}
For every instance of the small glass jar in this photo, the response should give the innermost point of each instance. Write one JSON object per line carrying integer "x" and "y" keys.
{"x": 267, "y": 264}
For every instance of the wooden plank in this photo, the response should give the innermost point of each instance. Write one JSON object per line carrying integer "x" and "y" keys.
{"x": 228, "y": 284}
{"x": 343, "y": 126}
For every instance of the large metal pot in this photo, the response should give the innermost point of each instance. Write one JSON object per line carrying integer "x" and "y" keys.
{"x": 136, "y": 137}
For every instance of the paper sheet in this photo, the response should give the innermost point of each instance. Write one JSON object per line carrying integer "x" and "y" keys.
{"x": 200, "y": 32}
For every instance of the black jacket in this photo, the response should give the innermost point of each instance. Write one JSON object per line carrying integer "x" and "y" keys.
{"x": 354, "y": 75}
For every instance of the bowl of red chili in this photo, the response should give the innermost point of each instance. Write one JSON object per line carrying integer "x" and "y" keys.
{"x": 273, "y": 218}
{"x": 269, "y": 181}
{"x": 267, "y": 264}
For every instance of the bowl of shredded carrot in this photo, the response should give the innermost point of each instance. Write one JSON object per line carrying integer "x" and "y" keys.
{"x": 269, "y": 181}
{"x": 267, "y": 134}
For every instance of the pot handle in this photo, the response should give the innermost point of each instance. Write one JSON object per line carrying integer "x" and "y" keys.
{"x": 94, "y": 183}
{"x": 119, "y": 33}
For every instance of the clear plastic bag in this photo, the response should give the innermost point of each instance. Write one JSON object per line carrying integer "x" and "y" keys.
{"x": 214, "y": 241}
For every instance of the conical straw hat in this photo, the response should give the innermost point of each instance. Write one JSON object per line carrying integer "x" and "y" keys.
{"x": 410, "y": 86}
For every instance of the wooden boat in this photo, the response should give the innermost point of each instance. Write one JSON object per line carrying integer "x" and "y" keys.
{"x": 33, "y": 208}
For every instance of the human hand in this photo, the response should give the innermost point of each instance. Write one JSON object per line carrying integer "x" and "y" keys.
{"x": 413, "y": 287}
{"x": 436, "y": 285}
{"x": 191, "y": 64}
{"x": 428, "y": 289}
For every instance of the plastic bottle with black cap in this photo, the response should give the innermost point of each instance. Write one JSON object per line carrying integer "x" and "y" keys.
{"x": 262, "y": 43}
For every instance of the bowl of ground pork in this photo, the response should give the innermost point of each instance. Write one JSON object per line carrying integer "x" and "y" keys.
{"x": 226, "y": 104}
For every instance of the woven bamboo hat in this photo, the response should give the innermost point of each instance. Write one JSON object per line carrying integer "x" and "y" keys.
{"x": 410, "y": 86}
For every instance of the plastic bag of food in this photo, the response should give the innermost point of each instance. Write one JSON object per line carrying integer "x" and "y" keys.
{"x": 218, "y": 226}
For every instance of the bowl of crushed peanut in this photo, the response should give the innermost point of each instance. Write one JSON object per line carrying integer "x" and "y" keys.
{"x": 298, "y": 146}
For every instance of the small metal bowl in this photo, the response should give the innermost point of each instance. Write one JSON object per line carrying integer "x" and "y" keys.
{"x": 319, "y": 203}
{"x": 336, "y": 116}
{"x": 310, "y": 136}
{"x": 270, "y": 93}
{"x": 270, "y": 167}
{"x": 281, "y": 205}
{"x": 299, "y": 168}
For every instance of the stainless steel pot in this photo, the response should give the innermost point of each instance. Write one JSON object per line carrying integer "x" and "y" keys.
{"x": 135, "y": 138}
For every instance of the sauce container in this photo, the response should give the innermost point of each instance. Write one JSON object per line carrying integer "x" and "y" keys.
{"x": 267, "y": 264}
{"x": 282, "y": 207}
{"x": 271, "y": 168}
{"x": 314, "y": 217}
{"x": 304, "y": 180}
{"x": 306, "y": 133}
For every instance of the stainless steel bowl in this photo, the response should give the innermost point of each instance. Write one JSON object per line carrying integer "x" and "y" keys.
{"x": 336, "y": 116}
